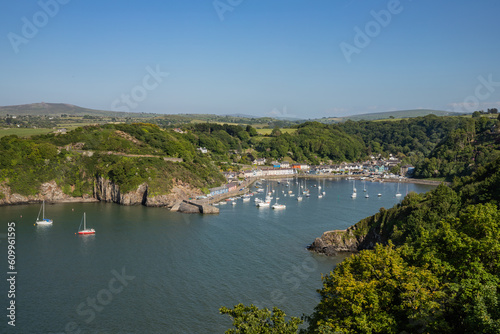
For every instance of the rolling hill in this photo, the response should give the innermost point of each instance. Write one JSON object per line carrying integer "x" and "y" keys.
{"x": 57, "y": 109}
{"x": 390, "y": 114}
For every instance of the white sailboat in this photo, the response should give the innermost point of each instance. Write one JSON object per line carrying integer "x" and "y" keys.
{"x": 43, "y": 221}
{"x": 398, "y": 194}
{"x": 85, "y": 230}
{"x": 277, "y": 206}
{"x": 353, "y": 195}
{"x": 299, "y": 196}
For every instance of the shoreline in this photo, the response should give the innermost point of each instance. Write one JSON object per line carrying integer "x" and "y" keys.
{"x": 357, "y": 178}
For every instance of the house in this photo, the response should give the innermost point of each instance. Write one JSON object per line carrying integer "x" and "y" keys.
{"x": 301, "y": 166}
{"x": 259, "y": 161}
{"x": 407, "y": 170}
{"x": 278, "y": 171}
{"x": 229, "y": 175}
{"x": 179, "y": 130}
{"x": 218, "y": 191}
{"x": 232, "y": 186}
{"x": 285, "y": 164}
{"x": 202, "y": 150}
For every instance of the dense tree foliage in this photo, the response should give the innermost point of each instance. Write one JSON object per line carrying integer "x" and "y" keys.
{"x": 127, "y": 154}
{"x": 252, "y": 320}
{"x": 443, "y": 278}
{"x": 439, "y": 147}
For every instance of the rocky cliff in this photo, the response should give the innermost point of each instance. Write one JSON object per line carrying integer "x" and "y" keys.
{"x": 50, "y": 192}
{"x": 363, "y": 235}
{"x": 107, "y": 191}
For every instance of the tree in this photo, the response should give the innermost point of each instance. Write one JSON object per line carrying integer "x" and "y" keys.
{"x": 378, "y": 292}
{"x": 251, "y": 131}
{"x": 276, "y": 132}
{"x": 252, "y": 320}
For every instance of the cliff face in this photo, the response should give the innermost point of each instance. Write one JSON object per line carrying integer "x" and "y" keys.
{"x": 104, "y": 190}
{"x": 107, "y": 191}
{"x": 49, "y": 192}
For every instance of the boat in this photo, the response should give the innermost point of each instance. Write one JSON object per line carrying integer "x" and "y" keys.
{"x": 43, "y": 221}
{"x": 364, "y": 186}
{"x": 299, "y": 196}
{"x": 277, "y": 206}
{"x": 379, "y": 195}
{"x": 263, "y": 204}
{"x": 366, "y": 195}
{"x": 85, "y": 230}
{"x": 398, "y": 194}
{"x": 353, "y": 195}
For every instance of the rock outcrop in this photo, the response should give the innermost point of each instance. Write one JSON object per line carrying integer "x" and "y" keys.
{"x": 107, "y": 191}
{"x": 353, "y": 239}
{"x": 49, "y": 191}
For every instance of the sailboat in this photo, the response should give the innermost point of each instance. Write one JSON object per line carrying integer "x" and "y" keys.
{"x": 353, "y": 195}
{"x": 398, "y": 194}
{"x": 85, "y": 230}
{"x": 299, "y": 196}
{"x": 320, "y": 195}
{"x": 43, "y": 221}
{"x": 324, "y": 192}
{"x": 277, "y": 206}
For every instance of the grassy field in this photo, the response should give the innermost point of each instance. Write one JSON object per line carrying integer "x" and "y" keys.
{"x": 23, "y": 132}
{"x": 268, "y": 131}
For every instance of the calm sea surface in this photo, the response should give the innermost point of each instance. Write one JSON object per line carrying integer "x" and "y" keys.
{"x": 148, "y": 270}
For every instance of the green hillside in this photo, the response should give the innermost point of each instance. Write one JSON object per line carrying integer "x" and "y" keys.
{"x": 58, "y": 109}
{"x": 389, "y": 115}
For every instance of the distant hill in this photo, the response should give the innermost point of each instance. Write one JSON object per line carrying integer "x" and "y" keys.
{"x": 391, "y": 114}
{"x": 57, "y": 109}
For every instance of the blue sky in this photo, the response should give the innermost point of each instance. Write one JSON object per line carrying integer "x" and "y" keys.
{"x": 306, "y": 59}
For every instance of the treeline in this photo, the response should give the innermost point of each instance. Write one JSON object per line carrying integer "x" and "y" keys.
{"x": 439, "y": 147}
{"x": 435, "y": 270}
{"x": 27, "y": 163}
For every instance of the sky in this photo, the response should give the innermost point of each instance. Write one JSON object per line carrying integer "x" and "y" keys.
{"x": 279, "y": 58}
